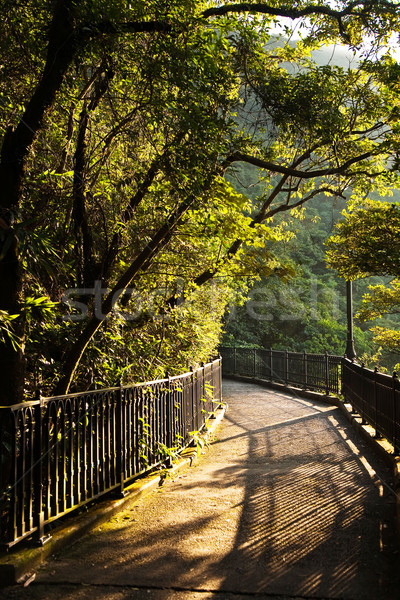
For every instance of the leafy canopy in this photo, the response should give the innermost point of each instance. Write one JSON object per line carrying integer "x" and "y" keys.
{"x": 367, "y": 241}
{"x": 125, "y": 127}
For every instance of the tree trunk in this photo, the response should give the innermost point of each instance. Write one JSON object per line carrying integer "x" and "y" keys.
{"x": 14, "y": 153}
{"x": 159, "y": 240}
{"x": 87, "y": 269}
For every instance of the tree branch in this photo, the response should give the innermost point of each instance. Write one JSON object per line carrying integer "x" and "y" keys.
{"x": 357, "y": 8}
{"x": 297, "y": 13}
{"x": 293, "y": 172}
{"x": 108, "y": 27}
{"x": 140, "y": 263}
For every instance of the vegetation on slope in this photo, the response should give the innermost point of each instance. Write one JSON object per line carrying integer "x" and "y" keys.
{"x": 121, "y": 238}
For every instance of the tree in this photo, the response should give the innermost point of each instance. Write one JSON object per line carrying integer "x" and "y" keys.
{"x": 117, "y": 145}
{"x": 306, "y": 311}
{"x": 366, "y": 243}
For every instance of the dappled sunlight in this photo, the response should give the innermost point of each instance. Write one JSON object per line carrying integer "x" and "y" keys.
{"x": 283, "y": 530}
{"x": 302, "y": 524}
{"x": 285, "y": 503}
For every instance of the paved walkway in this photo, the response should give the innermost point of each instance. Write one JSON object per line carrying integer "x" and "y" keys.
{"x": 287, "y": 503}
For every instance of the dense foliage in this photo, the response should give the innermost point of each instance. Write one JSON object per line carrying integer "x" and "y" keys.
{"x": 366, "y": 242}
{"x": 122, "y": 124}
{"x": 306, "y": 310}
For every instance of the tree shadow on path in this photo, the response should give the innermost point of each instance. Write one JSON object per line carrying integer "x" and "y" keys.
{"x": 317, "y": 521}
{"x": 287, "y": 503}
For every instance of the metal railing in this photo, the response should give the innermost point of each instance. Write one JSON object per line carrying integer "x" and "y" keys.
{"x": 319, "y": 372}
{"x": 59, "y": 453}
{"x": 375, "y": 397}
{"x": 372, "y": 395}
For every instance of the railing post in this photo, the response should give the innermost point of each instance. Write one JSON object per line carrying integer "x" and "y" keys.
{"x": 327, "y": 374}
{"x": 211, "y": 411}
{"x": 121, "y": 442}
{"x": 270, "y": 364}
{"x": 203, "y": 393}
{"x": 194, "y": 426}
{"x": 353, "y": 411}
{"x": 394, "y": 413}
{"x": 342, "y": 369}
{"x": 305, "y": 369}
{"x": 7, "y": 453}
{"x": 234, "y": 361}
{"x": 220, "y": 378}
{"x": 254, "y": 362}
{"x": 40, "y": 537}
{"x": 377, "y": 435}
{"x": 363, "y": 421}
{"x": 286, "y": 368}
{"x": 169, "y": 412}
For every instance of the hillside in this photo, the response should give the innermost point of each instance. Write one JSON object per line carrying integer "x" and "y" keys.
{"x": 307, "y": 310}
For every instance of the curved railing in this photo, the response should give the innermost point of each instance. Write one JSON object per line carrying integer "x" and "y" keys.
{"x": 57, "y": 454}
{"x": 319, "y": 372}
{"x": 373, "y": 396}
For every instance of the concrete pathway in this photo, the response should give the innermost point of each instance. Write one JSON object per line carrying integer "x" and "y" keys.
{"x": 287, "y": 503}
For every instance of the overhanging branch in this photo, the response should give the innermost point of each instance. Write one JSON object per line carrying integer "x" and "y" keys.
{"x": 108, "y": 27}
{"x": 353, "y": 8}
{"x": 293, "y": 172}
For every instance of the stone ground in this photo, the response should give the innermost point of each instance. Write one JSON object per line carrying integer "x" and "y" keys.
{"x": 287, "y": 503}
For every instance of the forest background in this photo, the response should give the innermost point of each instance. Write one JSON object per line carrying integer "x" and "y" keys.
{"x": 156, "y": 159}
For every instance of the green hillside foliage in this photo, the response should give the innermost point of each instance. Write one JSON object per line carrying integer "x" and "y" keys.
{"x": 306, "y": 310}
{"x": 125, "y": 127}
{"x": 365, "y": 242}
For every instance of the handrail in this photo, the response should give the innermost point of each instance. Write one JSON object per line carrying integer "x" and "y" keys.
{"x": 374, "y": 396}
{"x": 319, "y": 372}
{"x": 59, "y": 453}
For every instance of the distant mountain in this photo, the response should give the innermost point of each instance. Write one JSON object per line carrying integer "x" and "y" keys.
{"x": 327, "y": 55}
{"x": 335, "y": 55}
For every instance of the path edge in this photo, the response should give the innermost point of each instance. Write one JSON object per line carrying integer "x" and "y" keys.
{"x": 381, "y": 446}
{"x": 18, "y": 566}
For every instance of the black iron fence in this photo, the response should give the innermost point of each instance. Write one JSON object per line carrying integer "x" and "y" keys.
{"x": 320, "y": 372}
{"x": 57, "y": 454}
{"x": 375, "y": 397}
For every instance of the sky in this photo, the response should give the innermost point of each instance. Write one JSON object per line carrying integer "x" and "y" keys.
{"x": 341, "y": 55}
